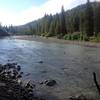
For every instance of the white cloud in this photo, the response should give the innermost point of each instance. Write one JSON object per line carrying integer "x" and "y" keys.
{"x": 35, "y": 12}
{"x": 51, "y": 6}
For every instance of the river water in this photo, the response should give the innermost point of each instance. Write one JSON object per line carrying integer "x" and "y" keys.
{"x": 70, "y": 65}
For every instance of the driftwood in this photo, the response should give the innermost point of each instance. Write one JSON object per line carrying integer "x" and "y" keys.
{"x": 96, "y": 82}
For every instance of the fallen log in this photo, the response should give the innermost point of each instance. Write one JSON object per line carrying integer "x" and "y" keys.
{"x": 96, "y": 82}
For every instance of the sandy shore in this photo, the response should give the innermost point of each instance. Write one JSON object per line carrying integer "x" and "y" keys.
{"x": 55, "y": 40}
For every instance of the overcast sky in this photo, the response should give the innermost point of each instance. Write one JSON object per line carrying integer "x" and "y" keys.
{"x": 18, "y": 12}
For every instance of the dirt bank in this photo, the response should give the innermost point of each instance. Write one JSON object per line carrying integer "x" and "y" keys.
{"x": 55, "y": 40}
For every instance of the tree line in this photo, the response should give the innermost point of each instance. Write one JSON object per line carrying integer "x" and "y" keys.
{"x": 81, "y": 22}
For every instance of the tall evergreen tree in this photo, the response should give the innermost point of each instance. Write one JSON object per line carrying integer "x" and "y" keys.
{"x": 97, "y": 19}
{"x": 76, "y": 23}
{"x": 89, "y": 19}
{"x": 57, "y": 28}
{"x": 51, "y": 29}
{"x": 57, "y": 25}
{"x": 82, "y": 20}
{"x": 63, "y": 29}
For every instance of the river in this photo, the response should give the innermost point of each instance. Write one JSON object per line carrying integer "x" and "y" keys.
{"x": 70, "y": 65}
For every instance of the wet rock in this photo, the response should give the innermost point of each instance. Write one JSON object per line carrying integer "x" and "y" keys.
{"x": 72, "y": 98}
{"x": 8, "y": 60}
{"x": 12, "y": 86}
{"x": 1, "y": 68}
{"x": 28, "y": 74}
{"x": 43, "y": 71}
{"x": 85, "y": 68}
{"x": 50, "y": 82}
{"x": 15, "y": 72}
{"x": 41, "y": 83}
{"x": 40, "y": 62}
{"x": 21, "y": 73}
{"x": 30, "y": 85}
{"x": 2, "y": 84}
{"x": 19, "y": 81}
{"x": 81, "y": 97}
{"x": 18, "y": 67}
{"x": 19, "y": 76}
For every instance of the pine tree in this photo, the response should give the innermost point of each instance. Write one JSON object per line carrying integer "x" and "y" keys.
{"x": 63, "y": 30}
{"x": 57, "y": 25}
{"x": 51, "y": 30}
{"x": 97, "y": 19}
{"x": 89, "y": 19}
{"x": 76, "y": 23}
{"x": 82, "y": 20}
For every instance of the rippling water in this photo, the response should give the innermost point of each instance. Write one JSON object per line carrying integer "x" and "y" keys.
{"x": 70, "y": 65}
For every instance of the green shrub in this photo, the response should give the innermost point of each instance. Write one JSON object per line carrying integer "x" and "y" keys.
{"x": 75, "y": 36}
{"x": 78, "y": 36}
{"x": 68, "y": 37}
{"x": 82, "y": 36}
{"x": 98, "y": 37}
{"x": 43, "y": 34}
{"x": 86, "y": 38}
{"x": 48, "y": 35}
{"x": 92, "y": 39}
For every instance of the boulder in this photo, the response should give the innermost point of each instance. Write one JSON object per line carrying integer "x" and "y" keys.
{"x": 40, "y": 62}
{"x": 50, "y": 82}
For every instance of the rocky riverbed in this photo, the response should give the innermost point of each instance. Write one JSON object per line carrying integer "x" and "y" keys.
{"x": 11, "y": 85}
{"x": 13, "y": 88}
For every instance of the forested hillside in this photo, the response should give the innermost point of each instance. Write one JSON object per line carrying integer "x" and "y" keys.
{"x": 82, "y": 22}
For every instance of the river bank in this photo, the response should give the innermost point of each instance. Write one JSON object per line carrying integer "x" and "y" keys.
{"x": 55, "y": 40}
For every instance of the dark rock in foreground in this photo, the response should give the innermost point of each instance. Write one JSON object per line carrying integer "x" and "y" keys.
{"x": 50, "y": 82}
{"x": 41, "y": 62}
{"x": 11, "y": 85}
{"x": 81, "y": 97}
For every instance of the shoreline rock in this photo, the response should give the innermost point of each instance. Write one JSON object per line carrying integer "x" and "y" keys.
{"x": 11, "y": 85}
